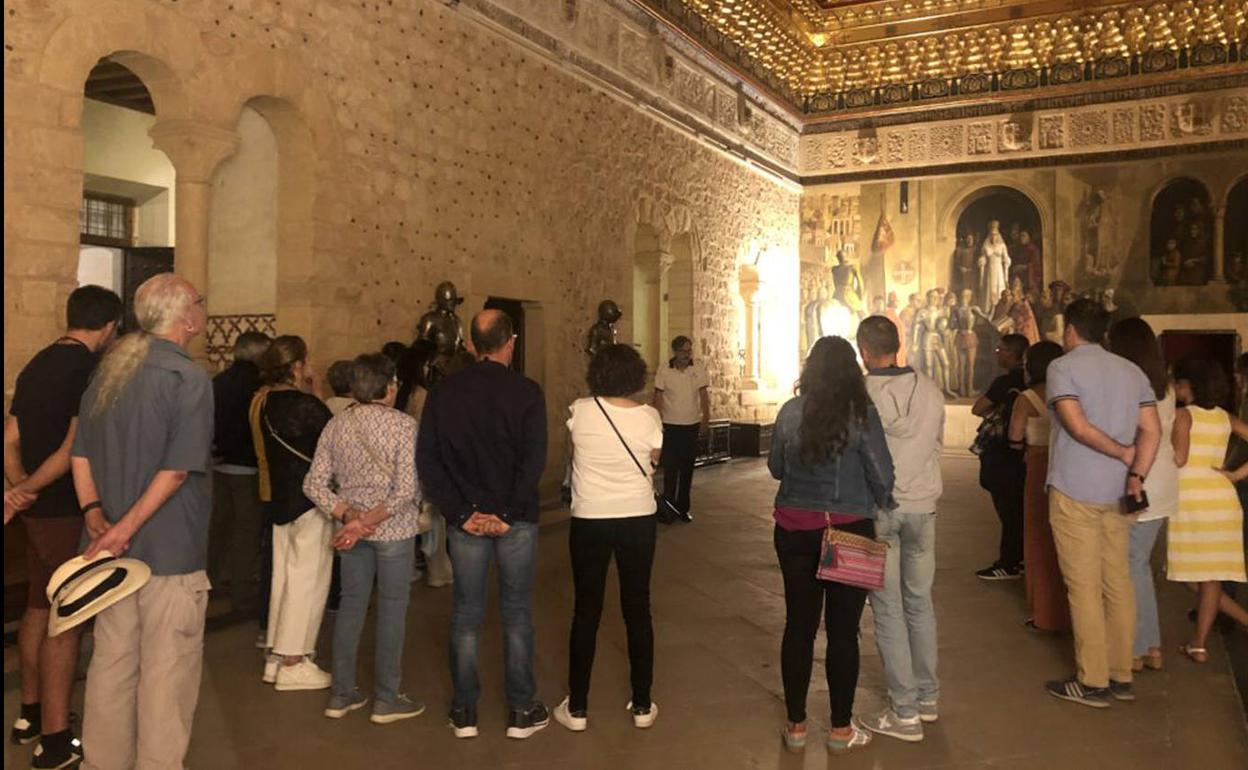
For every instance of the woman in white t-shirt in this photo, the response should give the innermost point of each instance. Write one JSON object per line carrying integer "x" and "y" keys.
{"x": 1133, "y": 339}
{"x": 615, "y": 443}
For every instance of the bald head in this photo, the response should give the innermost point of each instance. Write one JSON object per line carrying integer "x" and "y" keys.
{"x": 492, "y": 335}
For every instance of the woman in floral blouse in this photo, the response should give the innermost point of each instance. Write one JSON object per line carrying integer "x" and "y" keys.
{"x": 364, "y": 474}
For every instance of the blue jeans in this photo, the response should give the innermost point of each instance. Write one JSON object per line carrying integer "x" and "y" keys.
{"x": 516, "y": 553}
{"x": 391, "y": 563}
{"x": 905, "y": 620}
{"x": 1147, "y": 628}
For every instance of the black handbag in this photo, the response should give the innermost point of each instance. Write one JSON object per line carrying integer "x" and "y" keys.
{"x": 663, "y": 507}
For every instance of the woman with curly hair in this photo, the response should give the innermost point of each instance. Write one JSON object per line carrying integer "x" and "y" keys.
{"x": 616, "y": 441}
{"x": 830, "y": 455}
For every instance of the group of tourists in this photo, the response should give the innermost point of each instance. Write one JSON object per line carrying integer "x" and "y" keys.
{"x": 1077, "y": 435}
{"x": 255, "y": 473}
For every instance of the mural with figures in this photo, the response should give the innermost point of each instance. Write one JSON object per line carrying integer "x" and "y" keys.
{"x": 959, "y": 261}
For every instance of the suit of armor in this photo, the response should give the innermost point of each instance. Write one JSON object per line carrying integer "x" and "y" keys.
{"x": 602, "y": 333}
{"x": 441, "y": 325}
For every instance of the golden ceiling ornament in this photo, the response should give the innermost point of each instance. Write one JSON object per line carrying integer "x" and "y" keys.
{"x": 802, "y": 48}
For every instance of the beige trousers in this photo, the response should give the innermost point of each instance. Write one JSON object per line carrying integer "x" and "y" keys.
{"x": 143, "y": 681}
{"x": 303, "y": 563}
{"x": 1092, "y": 543}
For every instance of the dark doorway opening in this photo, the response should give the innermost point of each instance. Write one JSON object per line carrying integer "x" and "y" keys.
{"x": 1220, "y": 346}
{"x": 139, "y": 265}
{"x": 514, "y": 309}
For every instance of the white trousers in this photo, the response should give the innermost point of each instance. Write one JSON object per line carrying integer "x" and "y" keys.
{"x": 302, "y": 565}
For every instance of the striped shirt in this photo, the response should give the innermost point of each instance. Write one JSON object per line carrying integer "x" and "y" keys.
{"x": 1206, "y": 535}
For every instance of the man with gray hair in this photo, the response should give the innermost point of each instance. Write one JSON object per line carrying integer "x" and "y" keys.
{"x": 234, "y": 536}
{"x": 140, "y": 464}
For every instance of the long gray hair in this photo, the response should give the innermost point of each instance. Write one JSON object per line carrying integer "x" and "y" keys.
{"x": 159, "y": 303}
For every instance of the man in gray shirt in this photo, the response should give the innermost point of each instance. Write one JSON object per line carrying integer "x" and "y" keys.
{"x": 1104, "y": 438}
{"x": 140, "y": 462}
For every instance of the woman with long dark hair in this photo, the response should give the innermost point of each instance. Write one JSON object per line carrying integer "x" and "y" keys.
{"x": 1133, "y": 339}
{"x": 1047, "y": 608}
{"x": 829, "y": 453}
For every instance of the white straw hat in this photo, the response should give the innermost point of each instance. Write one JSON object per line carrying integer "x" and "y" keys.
{"x": 80, "y": 589}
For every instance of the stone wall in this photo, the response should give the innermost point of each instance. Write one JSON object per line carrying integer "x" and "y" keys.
{"x": 416, "y": 143}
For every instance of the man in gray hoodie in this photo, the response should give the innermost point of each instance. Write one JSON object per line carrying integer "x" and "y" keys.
{"x": 913, "y": 412}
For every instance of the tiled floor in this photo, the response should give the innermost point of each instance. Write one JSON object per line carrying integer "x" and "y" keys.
{"x": 718, "y": 618}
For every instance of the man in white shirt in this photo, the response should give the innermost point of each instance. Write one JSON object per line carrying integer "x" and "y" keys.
{"x": 681, "y": 398}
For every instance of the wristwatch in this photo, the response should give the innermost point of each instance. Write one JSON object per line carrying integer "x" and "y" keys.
{"x": 1139, "y": 476}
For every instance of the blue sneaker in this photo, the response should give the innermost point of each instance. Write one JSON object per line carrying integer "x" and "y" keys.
{"x": 341, "y": 705}
{"x": 1076, "y": 692}
{"x": 1121, "y": 690}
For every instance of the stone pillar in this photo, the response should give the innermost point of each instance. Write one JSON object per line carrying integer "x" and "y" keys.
{"x": 1219, "y": 245}
{"x": 195, "y": 149}
{"x": 653, "y": 267}
{"x": 750, "y": 285}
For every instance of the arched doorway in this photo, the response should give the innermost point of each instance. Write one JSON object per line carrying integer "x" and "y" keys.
{"x": 678, "y": 289}
{"x": 126, "y": 221}
{"x": 1235, "y": 236}
{"x": 1181, "y": 234}
{"x": 1012, "y": 215}
{"x": 648, "y": 265}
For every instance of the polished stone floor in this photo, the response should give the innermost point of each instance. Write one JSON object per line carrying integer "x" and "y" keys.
{"x": 718, "y": 617}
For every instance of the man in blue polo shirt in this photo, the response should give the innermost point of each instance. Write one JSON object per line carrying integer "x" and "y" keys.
{"x": 1104, "y": 439}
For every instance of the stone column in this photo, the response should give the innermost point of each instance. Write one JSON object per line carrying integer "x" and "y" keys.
{"x": 750, "y": 284}
{"x": 195, "y": 149}
{"x": 1219, "y": 245}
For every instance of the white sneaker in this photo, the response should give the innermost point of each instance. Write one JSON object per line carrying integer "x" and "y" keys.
{"x": 576, "y": 722}
{"x": 304, "y": 675}
{"x": 644, "y": 719}
{"x": 271, "y": 664}
{"x": 262, "y": 641}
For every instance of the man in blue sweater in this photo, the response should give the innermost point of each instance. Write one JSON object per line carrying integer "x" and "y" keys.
{"x": 480, "y": 454}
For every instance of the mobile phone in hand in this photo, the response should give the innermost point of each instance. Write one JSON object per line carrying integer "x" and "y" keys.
{"x": 1132, "y": 504}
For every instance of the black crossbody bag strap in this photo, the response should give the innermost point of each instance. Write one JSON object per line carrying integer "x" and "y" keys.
{"x": 621, "y": 438}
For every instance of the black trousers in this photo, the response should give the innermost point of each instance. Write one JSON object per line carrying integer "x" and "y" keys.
{"x": 593, "y": 542}
{"x": 805, "y": 599}
{"x": 680, "y": 448}
{"x": 1004, "y": 478}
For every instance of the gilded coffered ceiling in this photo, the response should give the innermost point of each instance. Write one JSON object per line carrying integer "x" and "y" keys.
{"x": 827, "y": 57}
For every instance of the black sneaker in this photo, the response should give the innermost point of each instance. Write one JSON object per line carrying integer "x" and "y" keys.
{"x": 998, "y": 572}
{"x": 24, "y": 731}
{"x": 1076, "y": 692}
{"x": 66, "y": 757}
{"x": 1121, "y": 690}
{"x": 464, "y": 722}
{"x": 524, "y": 723}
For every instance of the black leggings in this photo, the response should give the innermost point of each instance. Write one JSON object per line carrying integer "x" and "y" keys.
{"x": 805, "y": 598}
{"x": 592, "y": 543}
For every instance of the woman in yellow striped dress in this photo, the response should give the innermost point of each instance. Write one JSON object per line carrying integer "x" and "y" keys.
{"x": 1206, "y": 543}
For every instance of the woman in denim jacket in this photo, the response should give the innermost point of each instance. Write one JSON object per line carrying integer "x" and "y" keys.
{"x": 829, "y": 453}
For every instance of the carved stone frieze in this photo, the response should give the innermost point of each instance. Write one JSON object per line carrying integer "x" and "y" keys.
{"x": 636, "y": 55}
{"x": 1124, "y": 125}
{"x": 1194, "y": 118}
{"x": 1052, "y": 132}
{"x": 1152, "y": 122}
{"x": 979, "y": 138}
{"x": 1235, "y": 114}
{"x": 1082, "y": 131}
{"x": 1089, "y": 129}
{"x": 947, "y": 142}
